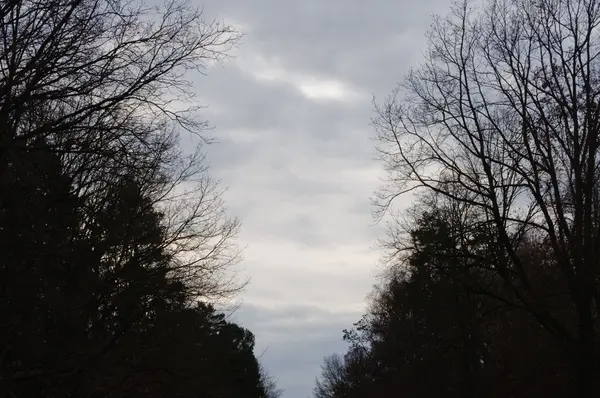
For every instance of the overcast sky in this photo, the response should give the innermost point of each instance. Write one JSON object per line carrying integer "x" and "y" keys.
{"x": 292, "y": 113}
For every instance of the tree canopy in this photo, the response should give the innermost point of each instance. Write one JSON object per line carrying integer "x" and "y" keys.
{"x": 493, "y": 287}
{"x": 116, "y": 247}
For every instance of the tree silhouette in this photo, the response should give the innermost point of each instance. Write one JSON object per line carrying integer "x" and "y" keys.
{"x": 503, "y": 117}
{"x": 440, "y": 324}
{"x": 114, "y": 240}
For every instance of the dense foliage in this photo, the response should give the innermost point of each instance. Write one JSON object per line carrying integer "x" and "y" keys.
{"x": 114, "y": 241}
{"x": 494, "y": 285}
{"x": 441, "y": 325}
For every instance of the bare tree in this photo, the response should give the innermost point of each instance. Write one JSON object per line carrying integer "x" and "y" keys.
{"x": 504, "y": 116}
{"x": 269, "y": 385}
{"x": 332, "y": 377}
{"x": 105, "y": 85}
{"x": 102, "y": 64}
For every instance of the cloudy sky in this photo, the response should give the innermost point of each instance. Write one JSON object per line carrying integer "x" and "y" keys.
{"x": 292, "y": 113}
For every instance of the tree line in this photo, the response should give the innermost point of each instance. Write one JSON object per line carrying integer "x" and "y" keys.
{"x": 116, "y": 249}
{"x": 491, "y": 287}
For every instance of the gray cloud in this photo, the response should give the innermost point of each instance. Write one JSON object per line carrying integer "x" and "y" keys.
{"x": 368, "y": 43}
{"x": 292, "y": 112}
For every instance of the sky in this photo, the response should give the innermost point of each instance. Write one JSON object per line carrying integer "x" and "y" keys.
{"x": 291, "y": 111}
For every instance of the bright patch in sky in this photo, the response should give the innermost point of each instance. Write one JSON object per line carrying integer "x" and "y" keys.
{"x": 311, "y": 87}
{"x": 328, "y": 89}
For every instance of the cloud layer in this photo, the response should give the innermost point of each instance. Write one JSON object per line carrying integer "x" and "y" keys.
{"x": 292, "y": 112}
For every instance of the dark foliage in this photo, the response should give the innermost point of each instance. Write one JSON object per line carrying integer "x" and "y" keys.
{"x": 435, "y": 328}
{"x": 494, "y": 286}
{"x": 114, "y": 243}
